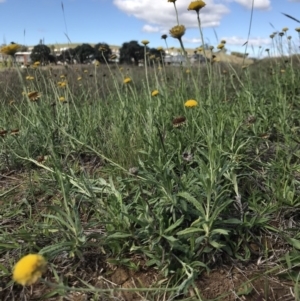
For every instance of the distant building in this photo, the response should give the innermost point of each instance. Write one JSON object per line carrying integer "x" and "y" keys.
{"x": 23, "y": 57}
{"x": 180, "y": 60}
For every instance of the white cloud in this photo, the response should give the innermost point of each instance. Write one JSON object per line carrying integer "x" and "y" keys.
{"x": 239, "y": 41}
{"x": 234, "y": 41}
{"x": 149, "y": 28}
{"x": 161, "y": 14}
{"x": 192, "y": 40}
{"x": 258, "y": 4}
{"x": 2, "y": 1}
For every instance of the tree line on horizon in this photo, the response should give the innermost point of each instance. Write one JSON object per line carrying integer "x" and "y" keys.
{"x": 129, "y": 53}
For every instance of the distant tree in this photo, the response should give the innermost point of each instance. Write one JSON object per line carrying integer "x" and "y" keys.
{"x": 40, "y": 53}
{"x": 131, "y": 51}
{"x": 102, "y": 49}
{"x": 67, "y": 55}
{"x": 158, "y": 53}
{"x": 84, "y": 53}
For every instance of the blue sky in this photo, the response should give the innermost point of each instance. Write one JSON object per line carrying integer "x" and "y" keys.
{"x": 118, "y": 21}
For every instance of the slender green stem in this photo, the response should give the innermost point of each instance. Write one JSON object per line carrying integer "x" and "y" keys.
{"x": 146, "y": 70}
{"x": 249, "y": 31}
{"x": 208, "y": 67}
{"x": 176, "y": 13}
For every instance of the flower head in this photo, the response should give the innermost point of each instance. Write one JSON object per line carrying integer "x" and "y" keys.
{"x": 179, "y": 121}
{"x": 134, "y": 170}
{"x": 62, "y": 84}
{"x": 159, "y": 48}
{"x": 285, "y": 29}
{"x": 62, "y": 99}
{"x": 29, "y": 269}
{"x": 164, "y": 36}
{"x": 191, "y": 103}
{"x": 37, "y": 63}
{"x": 297, "y": 29}
{"x": 29, "y": 77}
{"x": 223, "y": 42}
{"x": 34, "y": 95}
{"x": 127, "y": 80}
{"x": 196, "y": 5}
{"x": 177, "y": 31}
{"x": 173, "y": 1}
{"x": 220, "y": 46}
{"x": 154, "y": 93}
{"x": 3, "y": 133}
{"x": 145, "y": 42}
{"x": 102, "y": 48}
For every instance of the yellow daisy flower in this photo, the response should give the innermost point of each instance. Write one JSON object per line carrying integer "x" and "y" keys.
{"x": 29, "y": 269}
{"x": 191, "y": 103}
{"x": 145, "y": 42}
{"x": 154, "y": 93}
{"x": 177, "y": 31}
{"x": 196, "y": 5}
{"x": 127, "y": 80}
{"x": 62, "y": 84}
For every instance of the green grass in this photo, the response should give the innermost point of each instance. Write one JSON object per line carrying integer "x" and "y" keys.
{"x": 104, "y": 180}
